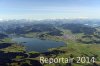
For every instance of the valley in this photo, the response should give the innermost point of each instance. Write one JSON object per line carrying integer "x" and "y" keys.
{"x": 48, "y": 38}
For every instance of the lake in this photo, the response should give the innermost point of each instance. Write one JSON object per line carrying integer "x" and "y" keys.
{"x": 35, "y": 44}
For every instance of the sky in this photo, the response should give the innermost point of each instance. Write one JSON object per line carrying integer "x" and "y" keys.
{"x": 49, "y": 9}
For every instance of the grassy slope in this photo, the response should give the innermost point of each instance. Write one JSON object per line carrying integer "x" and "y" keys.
{"x": 13, "y": 48}
{"x": 77, "y": 49}
{"x": 72, "y": 47}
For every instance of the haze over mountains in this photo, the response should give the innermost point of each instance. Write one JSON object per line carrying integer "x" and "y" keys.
{"x": 77, "y": 34}
{"x": 50, "y": 26}
{"x": 92, "y": 22}
{"x": 5, "y": 24}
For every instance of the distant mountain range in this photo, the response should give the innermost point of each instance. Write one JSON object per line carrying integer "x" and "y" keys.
{"x": 50, "y": 26}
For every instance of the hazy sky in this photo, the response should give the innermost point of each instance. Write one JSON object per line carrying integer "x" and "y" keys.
{"x": 49, "y": 9}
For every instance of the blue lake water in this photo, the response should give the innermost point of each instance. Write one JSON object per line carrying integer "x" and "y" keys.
{"x": 35, "y": 44}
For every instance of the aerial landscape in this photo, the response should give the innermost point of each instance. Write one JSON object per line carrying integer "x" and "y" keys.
{"x": 49, "y": 33}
